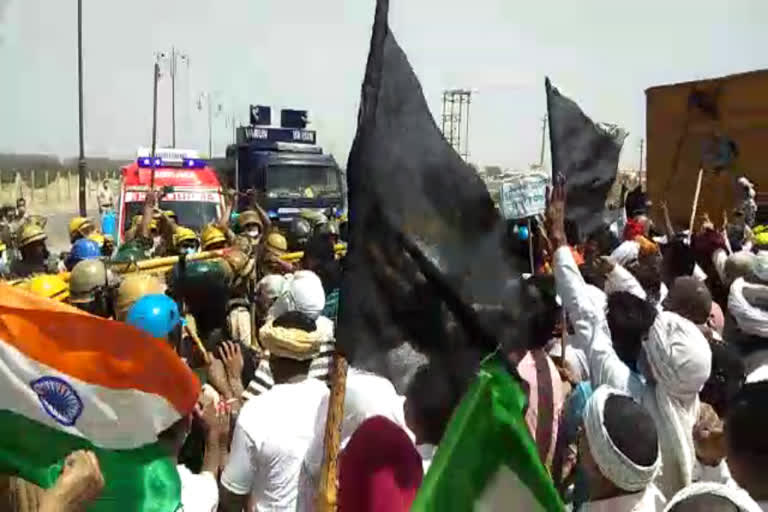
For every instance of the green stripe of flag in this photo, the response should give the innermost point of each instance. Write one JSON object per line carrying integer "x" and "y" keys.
{"x": 143, "y": 480}
{"x": 487, "y": 454}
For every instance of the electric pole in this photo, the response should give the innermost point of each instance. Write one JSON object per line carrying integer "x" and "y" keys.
{"x": 81, "y": 159}
{"x": 156, "y": 78}
{"x": 209, "y": 100}
{"x": 640, "y": 164}
{"x": 173, "y": 64}
{"x": 543, "y": 141}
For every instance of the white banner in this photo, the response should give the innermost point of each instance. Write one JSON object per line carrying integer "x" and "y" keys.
{"x": 524, "y": 196}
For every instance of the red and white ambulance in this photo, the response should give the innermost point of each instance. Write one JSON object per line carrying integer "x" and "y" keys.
{"x": 194, "y": 192}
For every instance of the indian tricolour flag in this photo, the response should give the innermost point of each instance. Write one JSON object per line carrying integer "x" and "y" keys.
{"x": 487, "y": 460}
{"x": 70, "y": 381}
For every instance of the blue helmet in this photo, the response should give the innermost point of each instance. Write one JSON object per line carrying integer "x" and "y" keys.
{"x": 83, "y": 249}
{"x": 156, "y": 315}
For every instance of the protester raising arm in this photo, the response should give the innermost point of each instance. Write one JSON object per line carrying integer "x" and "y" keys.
{"x": 587, "y": 319}
{"x": 619, "y": 279}
{"x": 79, "y": 484}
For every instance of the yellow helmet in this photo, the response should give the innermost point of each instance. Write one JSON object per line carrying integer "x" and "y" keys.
{"x": 97, "y": 237}
{"x": 49, "y": 286}
{"x": 31, "y": 233}
{"x": 78, "y": 226}
{"x": 171, "y": 215}
{"x": 212, "y": 235}
{"x": 183, "y": 234}
{"x": 134, "y": 287}
{"x": 277, "y": 242}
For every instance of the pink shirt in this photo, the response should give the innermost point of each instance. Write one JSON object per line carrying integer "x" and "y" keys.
{"x": 527, "y": 370}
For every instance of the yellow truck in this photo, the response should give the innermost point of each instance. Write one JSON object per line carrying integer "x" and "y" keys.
{"x": 720, "y": 125}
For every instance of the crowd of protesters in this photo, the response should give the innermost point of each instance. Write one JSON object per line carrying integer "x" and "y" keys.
{"x": 646, "y": 372}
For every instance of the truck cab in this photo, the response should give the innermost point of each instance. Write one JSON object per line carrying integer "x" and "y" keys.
{"x": 287, "y": 170}
{"x": 194, "y": 192}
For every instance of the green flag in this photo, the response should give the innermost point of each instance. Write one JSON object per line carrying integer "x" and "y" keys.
{"x": 487, "y": 460}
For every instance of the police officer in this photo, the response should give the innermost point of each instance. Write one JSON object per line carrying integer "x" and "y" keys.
{"x": 299, "y": 232}
{"x": 35, "y": 258}
{"x": 80, "y": 227}
{"x": 241, "y": 269}
{"x": 185, "y": 241}
{"x": 92, "y": 287}
{"x": 213, "y": 238}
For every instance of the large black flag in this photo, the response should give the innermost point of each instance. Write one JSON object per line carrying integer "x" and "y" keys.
{"x": 587, "y": 155}
{"x": 427, "y": 264}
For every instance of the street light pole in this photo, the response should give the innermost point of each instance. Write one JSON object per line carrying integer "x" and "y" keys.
{"x": 81, "y": 159}
{"x": 173, "y": 96}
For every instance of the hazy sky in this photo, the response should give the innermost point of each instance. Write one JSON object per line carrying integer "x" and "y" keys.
{"x": 310, "y": 54}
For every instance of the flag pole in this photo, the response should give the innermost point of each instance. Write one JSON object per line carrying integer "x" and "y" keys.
{"x": 326, "y": 498}
{"x": 695, "y": 203}
{"x": 548, "y": 89}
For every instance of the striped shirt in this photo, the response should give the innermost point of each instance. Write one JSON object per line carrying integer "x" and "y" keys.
{"x": 319, "y": 368}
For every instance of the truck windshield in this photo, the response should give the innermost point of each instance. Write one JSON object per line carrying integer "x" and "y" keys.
{"x": 302, "y": 181}
{"x": 191, "y": 214}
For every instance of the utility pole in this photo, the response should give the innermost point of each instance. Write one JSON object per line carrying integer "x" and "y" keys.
{"x": 173, "y": 63}
{"x": 81, "y": 159}
{"x": 543, "y": 141}
{"x": 208, "y": 97}
{"x": 156, "y": 79}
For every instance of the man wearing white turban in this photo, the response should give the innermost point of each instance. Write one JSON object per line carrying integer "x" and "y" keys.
{"x": 712, "y": 497}
{"x": 619, "y": 454}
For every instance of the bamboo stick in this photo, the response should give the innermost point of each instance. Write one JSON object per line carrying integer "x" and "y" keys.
{"x": 327, "y": 492}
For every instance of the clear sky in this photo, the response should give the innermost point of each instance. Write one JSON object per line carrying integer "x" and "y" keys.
{"x": 310, "y": 54}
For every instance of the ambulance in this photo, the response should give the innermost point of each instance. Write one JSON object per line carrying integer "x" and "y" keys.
{"x": 192, "y": 188}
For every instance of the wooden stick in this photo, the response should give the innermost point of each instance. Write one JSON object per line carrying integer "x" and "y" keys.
{"x": 199, "y": 343}
{"x": 695, "y": 203}
{"x": 327, "y": 491}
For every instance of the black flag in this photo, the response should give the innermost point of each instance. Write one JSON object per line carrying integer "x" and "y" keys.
{"x": 427, "y": 264}
{"x": 587, "y": 155}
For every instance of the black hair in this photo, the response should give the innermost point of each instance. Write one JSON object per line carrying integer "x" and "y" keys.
{"x": 632, "y": 429}
{"x": 542, "y": 321}
{"x": 679, "y": 260}
{"x": 629, "y": 318}
{"x": 705, "y": 503}
{"x": 726, "y": 378}
{"x": 747, "y": 424}
{"x": 432, "y": 395}
{"x": 648, "y": 274}
{"x": 295, "y": 320}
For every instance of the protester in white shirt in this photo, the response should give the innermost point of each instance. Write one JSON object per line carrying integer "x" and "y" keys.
{"x": 619, "y": 454}
{"x": 747, "y": 443}
{"x": 276, "y": 428}
{"x": 675, "y": 361}
{"x": 366, "y": 395}
{"x": 711, "y": 497}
